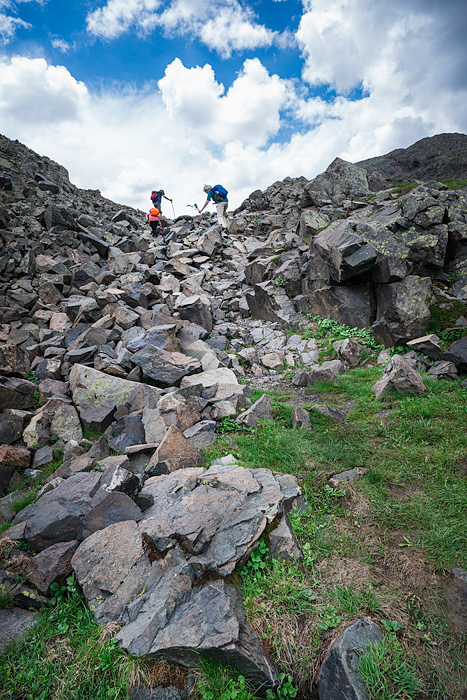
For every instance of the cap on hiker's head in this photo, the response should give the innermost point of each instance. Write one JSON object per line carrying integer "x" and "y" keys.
{"x": 206, "y": 188}
{"x": 161, "y": 192}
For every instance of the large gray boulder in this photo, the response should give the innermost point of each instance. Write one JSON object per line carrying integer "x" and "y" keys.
{"x": 164, "y": 577}
{"x": 340, "y": 181}
{"x": 403, "y": 310}
{"x": 347, "y": 254}
{"x": 164, "y": 368}
{"x": 89, "y": 387}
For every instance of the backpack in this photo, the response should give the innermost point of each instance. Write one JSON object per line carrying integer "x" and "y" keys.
{"x": 220, "y": 191}
{"x": 154, "y": 212}
{"x": 156, "y": 194}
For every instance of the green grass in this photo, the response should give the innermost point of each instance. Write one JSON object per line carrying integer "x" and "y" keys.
{"x": 454, "y": 184}
{"x": 64, "y": 656}
{"x": 417, "y": 450}
{"x": 388, "y": 673}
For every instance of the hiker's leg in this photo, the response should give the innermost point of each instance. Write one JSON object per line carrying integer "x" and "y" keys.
{"x": 221, "y": 212}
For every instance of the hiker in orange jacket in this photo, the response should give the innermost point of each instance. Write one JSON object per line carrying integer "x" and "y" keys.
{"x": 152, "y": 217}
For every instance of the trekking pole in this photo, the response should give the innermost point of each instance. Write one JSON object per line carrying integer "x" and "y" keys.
{"x": 173, "y": 208}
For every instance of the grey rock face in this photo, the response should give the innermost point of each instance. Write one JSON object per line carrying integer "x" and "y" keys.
{"x": 338, "y": 677}
{"x": 14, "y": 622}
{"x": 201, "y": 521}
{"x": 340, "y": 181}
{"x": 403, "y": 310}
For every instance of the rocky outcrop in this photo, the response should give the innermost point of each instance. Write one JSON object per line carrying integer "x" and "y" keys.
{"x": 164, "y": 578}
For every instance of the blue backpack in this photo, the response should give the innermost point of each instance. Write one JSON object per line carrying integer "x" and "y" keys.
{"x": 220, "y": 192}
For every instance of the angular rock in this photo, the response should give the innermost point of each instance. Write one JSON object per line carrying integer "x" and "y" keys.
{"x": 428, "y": 345}
{"x": 403, "y": 310}
{"x": 52, "y": 565}
{"x": 174, "y": 452}
{"x": 398, "y": 375}
{"x": 457, "y": 354}
{"x": 116, "y": 507}
{"x": 92, "y": 388}
{"x": 201, "y": 521}
{"x": 14, "y": 622}
{"x": 338, "y": 675}
{"x": 164, "y": 368}
{"x": 340, "y": 181}
{"x": 259, "y": 411}
{"x": 301, "y": 418}
{"x": 16, "y": 393}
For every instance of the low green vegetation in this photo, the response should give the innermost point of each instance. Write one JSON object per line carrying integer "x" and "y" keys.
{"x": 454, "y": 184}
{"x": 382, "y": 546}
{"x": 67, "y": 655}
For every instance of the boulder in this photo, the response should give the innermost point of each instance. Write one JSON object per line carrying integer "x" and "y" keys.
{"x": 399, "y": 375}
{"x": 163, "y": 368}
{"x": 89, "y": 387}
{"x": 16, "y": 393}
{"x": 174, "y": 452}
{"x": 52, "y": 565}
{"x": 340, "y": 181}
{"x": 403, "y": 310}
{"x": 259, "y": 411}
{"x": 114, "y": 508}
{"x": 201, "y": 521}
{"x": 14, "y": 622}
{"x": 300, "y": 418}
{"x": 338, "y": 676}
{"x": 347, "y": 254}
{"x": 457, "y": 354}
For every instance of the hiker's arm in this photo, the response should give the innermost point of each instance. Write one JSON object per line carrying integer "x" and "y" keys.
{"x": 167, "y": 198}
{"x": 203, "y": 207}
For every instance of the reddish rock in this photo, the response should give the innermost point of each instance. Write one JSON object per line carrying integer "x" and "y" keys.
{"x": 15, "y": 456}
{"x": 52, "y": 565}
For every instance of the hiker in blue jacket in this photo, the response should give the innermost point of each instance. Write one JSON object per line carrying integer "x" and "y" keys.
{"x": 156, "y": 199}
{"x": 218, "y": 195}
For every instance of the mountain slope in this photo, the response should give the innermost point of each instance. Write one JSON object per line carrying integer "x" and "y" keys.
{"x": 435, "y": 157}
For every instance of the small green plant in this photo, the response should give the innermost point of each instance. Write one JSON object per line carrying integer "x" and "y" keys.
{"x": 35, "y": 398}
{"x": 228, "y": 425}
{"x": 256, "y": 564}
{"x": 392, "y": 626}
{"x": 32, "y": 377}
{"x": 6, "y": 599}
{"x": 54, "y": 438}
{"x": 280, "y": 281}
{"x": 287, "y": 690}
{"x": 61, "y": 592}
{"x": 222, "y": 683}
{"x": 328, "y": 617}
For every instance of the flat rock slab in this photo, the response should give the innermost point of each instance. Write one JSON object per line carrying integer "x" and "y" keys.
{"x": 14, "y": 622}
{"x": 89, "y": 387}
{"x": 164, "y": 576}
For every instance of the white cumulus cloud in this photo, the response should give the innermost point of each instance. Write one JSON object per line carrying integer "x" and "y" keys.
{"x": 231, "y": 27}
{"x": 118, "y": 16}
{"x": 9, "y": 23}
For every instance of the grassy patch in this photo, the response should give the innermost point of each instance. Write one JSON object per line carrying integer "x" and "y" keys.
{"x": 388, "y": 673}
{"x": 67, "y": 655}
{"x": 454, "y": 184}
{"x": 380, "y": 547}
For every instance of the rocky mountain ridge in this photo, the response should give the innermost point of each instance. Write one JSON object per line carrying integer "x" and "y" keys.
{"x": 440, "y": 157}
{"x": 146, "y": 345}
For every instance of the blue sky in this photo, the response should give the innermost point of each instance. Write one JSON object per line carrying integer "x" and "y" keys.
{"x": 134, "y": 94}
